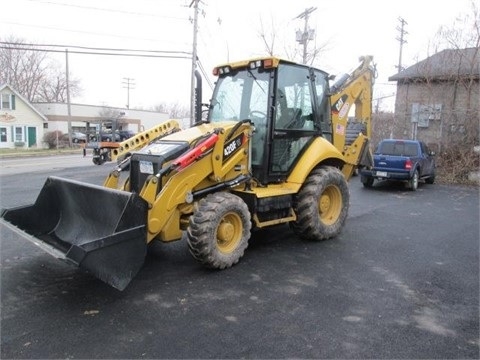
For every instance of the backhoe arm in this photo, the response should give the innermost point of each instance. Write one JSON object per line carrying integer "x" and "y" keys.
{"x": 352, "y": 137}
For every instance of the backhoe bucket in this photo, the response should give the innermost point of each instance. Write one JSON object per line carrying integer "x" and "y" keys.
{"x": 96, "y": 228}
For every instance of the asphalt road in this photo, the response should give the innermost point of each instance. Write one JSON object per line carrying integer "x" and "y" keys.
{"x": 400, "y": 282}
{"x": 22, "y": 165}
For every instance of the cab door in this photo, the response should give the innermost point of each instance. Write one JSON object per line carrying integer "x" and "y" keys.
{"x": 293, "y": 119}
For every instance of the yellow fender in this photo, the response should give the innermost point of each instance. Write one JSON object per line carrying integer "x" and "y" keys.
{"x": 320, "y": 151}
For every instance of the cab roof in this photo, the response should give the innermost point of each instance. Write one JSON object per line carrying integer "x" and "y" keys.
{"x": 244, "y": 63}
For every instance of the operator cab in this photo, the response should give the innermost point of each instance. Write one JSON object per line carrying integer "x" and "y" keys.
{"x": 287, "y": 103}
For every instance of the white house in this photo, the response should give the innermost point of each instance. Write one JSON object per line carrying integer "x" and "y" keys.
{"x": 84, "y": 116}
{"x": 21, "y": 125}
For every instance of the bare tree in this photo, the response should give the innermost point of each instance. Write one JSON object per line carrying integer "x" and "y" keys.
{"x": 382, "y": 123}
{"x": 107, "y": 113}
{"x": 55, "y": 88}
{"x": 32, "y": 73}
{"x": 22, "y": 68}
{"x": 463, "y": 33}
{"x": 175, "y": 110}
{"x": 268, "y": 37}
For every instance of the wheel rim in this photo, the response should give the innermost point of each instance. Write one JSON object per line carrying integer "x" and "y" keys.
{"x": 330, "y": 204}
{"x": 229, "y": 232}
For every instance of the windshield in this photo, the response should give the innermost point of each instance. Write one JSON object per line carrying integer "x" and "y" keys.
{"x": 240, "y": 95}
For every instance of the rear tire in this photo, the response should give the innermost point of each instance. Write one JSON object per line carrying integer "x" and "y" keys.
{"x": 413, "y": 182}
{"x": 321, "y": 205}
{"x": 367, "y": 181}
{"x": 219, "y": 230}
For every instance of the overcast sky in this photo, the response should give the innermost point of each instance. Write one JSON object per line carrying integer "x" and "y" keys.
{"x": 228, "y": 31}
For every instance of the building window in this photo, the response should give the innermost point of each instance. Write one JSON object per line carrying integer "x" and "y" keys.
{"x": 8, "y": 102}
{"x": 3, "y": 134}
{"x": 18, "y": 134}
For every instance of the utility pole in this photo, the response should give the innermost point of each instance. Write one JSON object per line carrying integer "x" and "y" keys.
{"x": 307, "y": 34}
{"x": 69, "y": 109}
{"x": 402, "y": 41}
{"x": 194, "y": 60}
{"x": 129, "y": 84}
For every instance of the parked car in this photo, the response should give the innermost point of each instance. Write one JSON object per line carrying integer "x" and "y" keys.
{"x": 110, "y": 137}
{"x": 401, "y": 160}
{"x": 77, "y": 137}
{"x": 125, "y": 134}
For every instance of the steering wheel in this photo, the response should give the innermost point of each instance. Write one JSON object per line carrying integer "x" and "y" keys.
{"x": 257, "y": 114}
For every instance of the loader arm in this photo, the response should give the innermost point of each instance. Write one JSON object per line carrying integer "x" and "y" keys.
{"x": 213, "y": 169}
{"x": 141, "y": 139}
{"x": 118, "y": 151}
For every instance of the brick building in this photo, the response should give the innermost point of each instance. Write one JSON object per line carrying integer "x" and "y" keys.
{"x": 438, "y": 98}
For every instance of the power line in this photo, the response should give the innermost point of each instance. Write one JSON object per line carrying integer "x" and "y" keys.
{"x": 87, "y": 32}
{"x": 202, "y": 69}
{"x": 20, "y": 45}
{"x": 384, "y": 97}
{"x": 171, "y": 56}
{"x": 109, "y": 10}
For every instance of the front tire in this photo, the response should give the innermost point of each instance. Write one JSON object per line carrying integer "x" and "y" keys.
{"x": 219, "y": 230}
{"x": 431, "y": 178}
{"x": 321, "y": 205}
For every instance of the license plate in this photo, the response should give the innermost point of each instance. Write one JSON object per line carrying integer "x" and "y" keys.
{"x": 146, "y": 167}
{"x": 382, "y": 173}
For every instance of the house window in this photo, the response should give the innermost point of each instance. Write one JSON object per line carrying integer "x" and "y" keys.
{"x": 18, "y": 134}
{"x": 3, "y": 134}
{"x": 8, "y": 102}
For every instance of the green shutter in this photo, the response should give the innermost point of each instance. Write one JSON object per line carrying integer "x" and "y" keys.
{"x": 13, "y": 102}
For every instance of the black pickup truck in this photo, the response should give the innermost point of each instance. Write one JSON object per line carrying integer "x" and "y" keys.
{"x": 401, "y": 160}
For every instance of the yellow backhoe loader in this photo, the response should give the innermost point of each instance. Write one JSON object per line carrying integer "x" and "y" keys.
{"x": 277, "y": 147}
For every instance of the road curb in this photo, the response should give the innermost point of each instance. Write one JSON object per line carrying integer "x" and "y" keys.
{"x": 36, "y": 154}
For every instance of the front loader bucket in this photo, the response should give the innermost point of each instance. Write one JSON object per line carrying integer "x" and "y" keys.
{"x": 96, "y": 228}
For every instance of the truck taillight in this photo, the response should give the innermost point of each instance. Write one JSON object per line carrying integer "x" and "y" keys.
{"x": 408, "y": 164}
